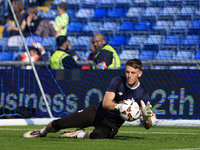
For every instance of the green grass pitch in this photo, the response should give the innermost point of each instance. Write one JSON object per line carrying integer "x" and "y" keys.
{"x": 128, "y": 138}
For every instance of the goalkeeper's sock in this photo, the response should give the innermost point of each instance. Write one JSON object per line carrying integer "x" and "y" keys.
{"x": 43, "y": 131}
{"x": 80, "y": 135}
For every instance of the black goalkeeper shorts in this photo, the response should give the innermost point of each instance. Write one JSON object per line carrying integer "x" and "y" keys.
{"x": 87, "y": 118}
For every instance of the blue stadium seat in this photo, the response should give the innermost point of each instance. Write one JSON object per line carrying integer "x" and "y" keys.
{"x": 165, "y": 54}
{"x": 49, "y": 43}
{"x": 184, "y": 55}
{"x": 127, "y": 26}
{"x": 51, "y": 14}
{"x": 124, "y": 2}
{"x": 187, "y": 11}
{"x": 71, "y": 12}
{"x": 169, "y": 12}
{"x": 117, "y": 12}
{"x": 72, "y": 40}
{"x": 83, "y": 42}
{"x": 129, "y": 54}
{"x": 195, "y": 28}
{"x": 75, "y": 28}
{"x": 15, "y": 43}
{"x": 147, "y": 55}
{"x": 3, "y": 43}
{"x": 190, "y": 42}
{"x": 134, "y": 13}
{"x": 74, "y": 2}
{"x": 172, "y": 42}
{"x": 151, "y": 13}
{"x": 92, "y": 27}
{"x": 85, "y": 13}
{"x": 162, "y": 26}
{"x": 100, "y": 13}
{"x": 106, "y": 2}
{"x": 141, "y": 2}
{"x": 197, "y": 55}
{"x": 90, "y": 2}
{"x": 34, "y": 38}
{"x": 119, "y": 40}
{"x": 40, "y": 13}
{"x": 160, "y": 3}
{"x": 144, "y": 27}
{"x": 56, "y": 2}
{"x": 180, "y": 26}
{"x": 7, "y": 56}
{"x": 153, "y": 42}
{"x": 109, "y": 27}
{"x": 136, "y": 42}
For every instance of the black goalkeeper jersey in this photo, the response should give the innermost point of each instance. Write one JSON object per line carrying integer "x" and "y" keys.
{"x": 122, "y": 92}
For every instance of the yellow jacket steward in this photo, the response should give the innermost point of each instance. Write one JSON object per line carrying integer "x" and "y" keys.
{"x": 56, "y": 59}
{"x": 116, "y": 63}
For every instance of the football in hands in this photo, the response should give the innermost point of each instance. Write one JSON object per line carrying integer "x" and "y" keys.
{"x": 130, "y": 110}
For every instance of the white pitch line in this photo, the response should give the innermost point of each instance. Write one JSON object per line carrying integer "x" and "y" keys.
{"x": 127, "y": 132}
{"x": 183, "y": 149}
{"x": 159, "y": 132}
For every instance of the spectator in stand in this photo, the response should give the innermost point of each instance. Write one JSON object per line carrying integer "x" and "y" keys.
{"x": 11, "y": 27}
{"x": 62, "y": 20}
{"x": 61, "y": 58}
{"x": 46, "y": 28}
{"x": 106, "y": 56}
{"x": 51, "y": 28}
{"x": 37, "y": 53}
{"x": 91, "y": 56}
{"x": 30, "y": 23}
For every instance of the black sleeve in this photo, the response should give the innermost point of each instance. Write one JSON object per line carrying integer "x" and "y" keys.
{"x": 69, "y": 63}
{"x": 105, "y": 56}
{"x": 45, "y": 56}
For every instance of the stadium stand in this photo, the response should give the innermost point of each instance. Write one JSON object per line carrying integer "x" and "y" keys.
{"x": 184, "y": 55}
{"x": 139, "y": 25}
{"x": 169, "y": 13}
{"x": 136, "y": 42}
{"x": 34, "y": 38}
{"x": 151, "y": 13}
{"x": 15, "y": 43}
{"x": 49, "y": 43}
{"x": 172, "y": 42}
{"x": 6, "y": 56}
{"x": 134, "y": 13}
{"x": 165, "y": 54}
{"x": 153, "y": 42}
{"x": 191, "y": 42}
{"x": 162, "y": 27}
{"x": 129, "y": 54}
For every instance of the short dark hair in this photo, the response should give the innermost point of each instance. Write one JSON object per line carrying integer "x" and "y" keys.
{"x": 60, "y": 40}
{"x": 63, "y": 6}
{"x": 135, "y": 63}
{"x": 34, "y": 48}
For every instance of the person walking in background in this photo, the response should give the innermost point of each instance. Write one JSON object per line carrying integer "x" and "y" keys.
{"x": 61, "y": 58}
{"x": 62, "y": 20}
{"x": 106, "y": 56}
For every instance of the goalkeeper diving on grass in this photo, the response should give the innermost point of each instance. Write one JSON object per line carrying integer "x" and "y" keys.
{"x": 105, "y": 116}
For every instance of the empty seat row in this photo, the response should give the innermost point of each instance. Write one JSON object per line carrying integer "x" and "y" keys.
{"x": 152, "y": 13}
{"x": 161, "y": 55}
